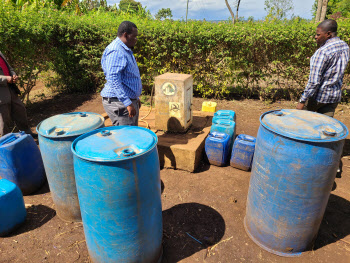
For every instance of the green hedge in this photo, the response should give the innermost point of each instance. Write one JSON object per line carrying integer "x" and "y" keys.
{"x": 267, "y": 59}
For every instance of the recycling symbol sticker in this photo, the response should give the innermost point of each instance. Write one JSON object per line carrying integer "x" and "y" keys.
{"x": 168, "y": 89}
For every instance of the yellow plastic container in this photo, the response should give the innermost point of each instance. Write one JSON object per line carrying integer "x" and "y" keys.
{"x": 209, "y": 106}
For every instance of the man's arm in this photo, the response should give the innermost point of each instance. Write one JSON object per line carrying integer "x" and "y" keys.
{"x": 317, "y": 65}
{"x": 8, "y": 79}
{"x": 5, "y": 79}
{"x": 12, "y": 72}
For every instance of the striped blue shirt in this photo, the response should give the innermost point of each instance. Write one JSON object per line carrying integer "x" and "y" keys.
{"x": 327, "y": 68}
{"x": 121, "y": 72}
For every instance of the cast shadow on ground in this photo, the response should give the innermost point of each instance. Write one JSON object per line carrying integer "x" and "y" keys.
{"x": 44, "y": 189}
{"x": 61, "y": 103}
{"x": 180, "y": 221}
{"x": 37, "y": 215}
{"x": 167, "y": 140}
{"x": 162, "y": 187}
{"x": 346, "y": 148}
{"x": 336, "y": 222}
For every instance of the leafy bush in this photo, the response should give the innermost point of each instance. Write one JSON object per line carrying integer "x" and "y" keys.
{"x": 253, "y": 59}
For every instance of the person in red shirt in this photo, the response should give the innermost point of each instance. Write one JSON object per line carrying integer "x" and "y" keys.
{"x": 11, "y": 107}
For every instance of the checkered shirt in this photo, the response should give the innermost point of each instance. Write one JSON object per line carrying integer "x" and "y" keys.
{"x": 121, "y": 72}
{"x": 327, "y": 68}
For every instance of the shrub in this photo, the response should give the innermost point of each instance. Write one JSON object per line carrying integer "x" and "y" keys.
{"x": 250, "y": 59}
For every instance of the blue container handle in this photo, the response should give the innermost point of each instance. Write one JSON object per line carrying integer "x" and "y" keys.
{"x": 8, "y": 140}
{"x": 217, "y": 136}
{"x": 248, "y": 138}
{"x": 82, "y": 114}
{"x": 224, "y": 122}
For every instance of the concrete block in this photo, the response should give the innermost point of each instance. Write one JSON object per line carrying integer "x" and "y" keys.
{"x": 173, "y": 102}
{"x": 182, "y": 151}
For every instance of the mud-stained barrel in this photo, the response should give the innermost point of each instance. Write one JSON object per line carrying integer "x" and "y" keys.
{"x": 56, "y": 135}
{"x": 296, "y": 158}
{"x": 118, "y": 182}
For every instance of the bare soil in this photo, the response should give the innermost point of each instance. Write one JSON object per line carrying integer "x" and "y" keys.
{"x": 209, "y": 204}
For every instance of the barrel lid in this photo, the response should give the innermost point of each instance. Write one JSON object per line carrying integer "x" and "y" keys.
{"x": 304, "y": 125}
{"x": 70, "y": 124}
{"x": 114, "y": 143}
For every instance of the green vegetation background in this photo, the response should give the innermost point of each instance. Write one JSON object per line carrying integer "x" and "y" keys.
{"x": 267, "y": 59}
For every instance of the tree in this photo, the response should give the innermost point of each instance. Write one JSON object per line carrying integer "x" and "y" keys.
{"x": 335, "y": 8}
{"x": 278, "y": 8}
{"x": 163, "y": 13}
{"x": 92, "y": 4}
{"x": 72, "y": 3}
{"x": 237, "y": 5}
{"x": 324, "y": 10}
{"x": 129, "y": 5}
{"x": 229, "y": 9}
{"x": 318, "y": 12}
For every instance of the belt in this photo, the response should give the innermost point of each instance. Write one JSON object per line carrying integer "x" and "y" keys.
{"x": 110, "y": 99}
{"x": 113, "y": 99}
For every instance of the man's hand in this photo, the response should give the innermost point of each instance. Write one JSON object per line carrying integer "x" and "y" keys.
{"x": 14, "y": 78}
{"x": 300, "y": 106}
{"x": 131, "y": 110}
{"x": 9, "y": 79}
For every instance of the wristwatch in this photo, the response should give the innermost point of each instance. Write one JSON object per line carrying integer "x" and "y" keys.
{"x": 302, "y": 101}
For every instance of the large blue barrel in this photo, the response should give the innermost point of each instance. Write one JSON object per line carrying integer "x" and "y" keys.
{"x": 12, "y": 210}
{"x": 118, "y": 182}
{"x": 297, "y": 154}
{"x": 20, "y": 162}
{"x": 56, "y": 135}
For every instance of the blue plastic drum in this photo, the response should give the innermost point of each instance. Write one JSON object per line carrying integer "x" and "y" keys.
{"x": 20, "y": 162}
{"x": 56, "y": 135}
{"x": 296, "y": 158}
{"x": 12, "y": 210}
{"x": 118, "y": 181}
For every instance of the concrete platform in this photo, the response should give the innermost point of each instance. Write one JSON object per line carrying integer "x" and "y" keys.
{"x": 178, "y": 151}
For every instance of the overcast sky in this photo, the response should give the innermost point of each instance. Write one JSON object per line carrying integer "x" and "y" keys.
{"x": 217, "y": 10}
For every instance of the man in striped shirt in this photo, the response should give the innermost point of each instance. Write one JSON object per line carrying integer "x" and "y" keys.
{"x": 120, "y": 95}
{"x": 327, "y": 66}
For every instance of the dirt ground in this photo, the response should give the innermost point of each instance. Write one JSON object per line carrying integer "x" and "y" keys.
{"x": 208, "y": 204}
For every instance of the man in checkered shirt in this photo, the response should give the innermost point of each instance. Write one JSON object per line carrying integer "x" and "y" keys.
{"x": 327, "y": 66}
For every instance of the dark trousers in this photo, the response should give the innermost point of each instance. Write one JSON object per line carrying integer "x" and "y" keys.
{"x": 323, "y": 108}
{"x": 119, "y": 114}
{"x": 13, "y": 111}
